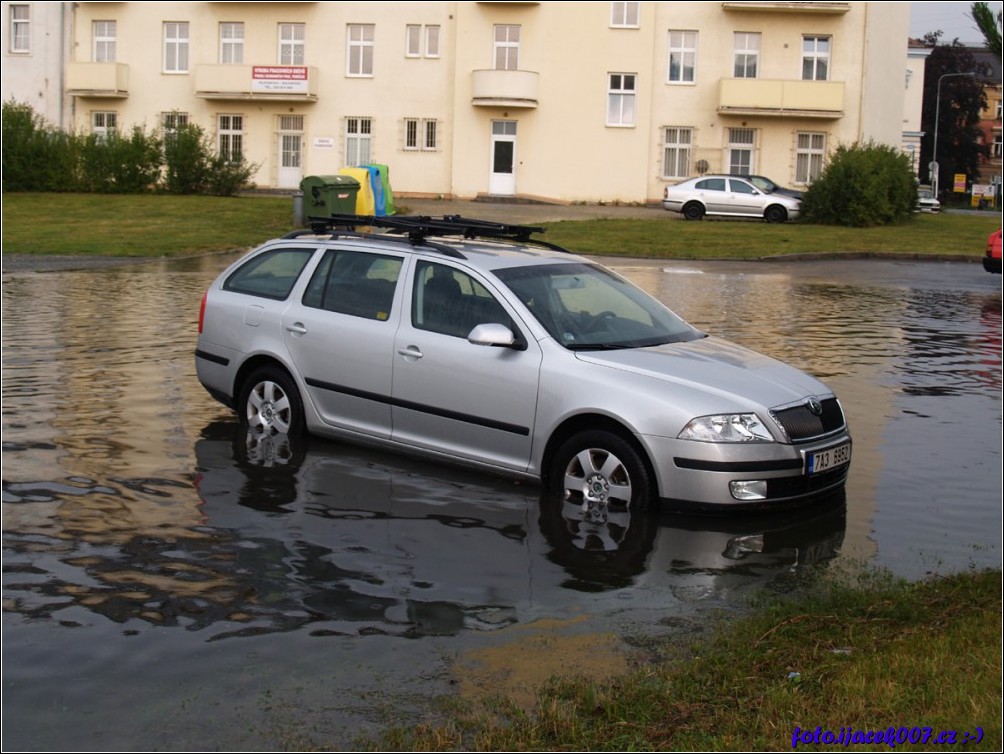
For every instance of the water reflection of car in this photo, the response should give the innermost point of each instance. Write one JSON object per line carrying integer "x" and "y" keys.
{"x": 992, "y": 255}
{"x": 729, "y": 196}
{"x": 351, "y": 541}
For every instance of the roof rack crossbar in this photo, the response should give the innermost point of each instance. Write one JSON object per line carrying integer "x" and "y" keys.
{"x": 419, "y": 226}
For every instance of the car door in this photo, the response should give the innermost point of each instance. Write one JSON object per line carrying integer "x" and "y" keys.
{"x": 744, "y": 198}
{"x": 469, "y": 401}
{"x": 341, "y": 338}
{"x": 713, "y": 193}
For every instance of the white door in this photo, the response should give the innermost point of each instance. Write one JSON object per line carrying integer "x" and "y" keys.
{"x": 502, "y": 180}
{"x": 290, "y": 155}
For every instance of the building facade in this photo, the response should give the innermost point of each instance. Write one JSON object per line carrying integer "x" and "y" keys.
{"x": 37, "y": 38}
{"x": 593, "y": 101}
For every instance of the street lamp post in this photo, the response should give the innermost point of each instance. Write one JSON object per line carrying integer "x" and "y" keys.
{"x": 935, "y": 168}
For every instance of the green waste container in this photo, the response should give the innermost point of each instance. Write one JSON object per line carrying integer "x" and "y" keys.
{"x": 327, "y": 195}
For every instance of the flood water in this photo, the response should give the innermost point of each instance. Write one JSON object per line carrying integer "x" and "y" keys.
{"x": 170, "y": 585}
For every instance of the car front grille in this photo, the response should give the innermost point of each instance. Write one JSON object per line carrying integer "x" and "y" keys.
{"x": 802, "y": 424}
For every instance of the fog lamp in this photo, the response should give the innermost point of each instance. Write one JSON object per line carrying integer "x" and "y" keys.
{"x": 753, "y": 490}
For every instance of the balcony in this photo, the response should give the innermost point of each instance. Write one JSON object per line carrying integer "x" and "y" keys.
{"x": 491, "y": 88}
{"x": 276, "y": 83}
{"x": 97, "y": 80}
{"x": 785, "y": 98}
{"x": 831, "y": 9}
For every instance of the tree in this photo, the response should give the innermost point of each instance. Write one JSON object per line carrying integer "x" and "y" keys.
{"x": 989, "y": 26}
{"x": 962, "y": 99}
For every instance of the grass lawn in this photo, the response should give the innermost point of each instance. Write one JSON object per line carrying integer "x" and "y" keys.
{"x": 161, "y": 225}
{"x": 921, "y": 660}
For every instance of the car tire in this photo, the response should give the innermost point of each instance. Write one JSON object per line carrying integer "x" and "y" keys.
{"x": 270, "y": 403}
{"x": 775, "y": 213}
{"x": 601, "y": 469}
{"x": 693, "y": 211}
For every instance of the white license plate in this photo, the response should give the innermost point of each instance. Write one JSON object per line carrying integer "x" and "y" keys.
{"x": 831, "y": 458}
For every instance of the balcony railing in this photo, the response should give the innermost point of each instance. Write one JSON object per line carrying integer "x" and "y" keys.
{"x": 283, "y": 83}
{"x": 97, "y": 79}
{"x": 505, "y": 88}
{"x": 789, "y": 7}
{"x": 781, "y": 97}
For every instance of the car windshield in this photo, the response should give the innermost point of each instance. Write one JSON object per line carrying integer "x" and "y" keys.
{"x": 587, "y": 307}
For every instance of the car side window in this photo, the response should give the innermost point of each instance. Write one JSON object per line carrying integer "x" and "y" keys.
{"x": 741, "y": 187}
{"x": 271, "y": 274}
{"x": 354, "y": 283}
{"x": 448, "y": 301}
{"x": 711, "y": 184}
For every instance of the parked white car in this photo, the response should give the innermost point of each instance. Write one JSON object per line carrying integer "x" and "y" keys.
{"x": 729, "y": 196}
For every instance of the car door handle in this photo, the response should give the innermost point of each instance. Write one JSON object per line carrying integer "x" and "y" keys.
{"x": 297, "y": 328}
{"x": 411, "y": 352}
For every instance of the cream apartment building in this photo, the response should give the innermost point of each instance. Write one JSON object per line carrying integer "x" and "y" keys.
{"x": 590, "y": 101}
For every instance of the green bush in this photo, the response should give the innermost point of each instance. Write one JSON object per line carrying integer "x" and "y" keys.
{"x": 186, "y": 160}
{"x": 194, "y": 167}
{"x": 117, "y": 164}
{"x": 863, "y": 185}
{"x": 36, "y": 156}
{"x": 40, "y": 157}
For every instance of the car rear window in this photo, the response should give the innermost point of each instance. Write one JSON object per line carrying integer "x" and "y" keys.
{"x": 271, "y": 274}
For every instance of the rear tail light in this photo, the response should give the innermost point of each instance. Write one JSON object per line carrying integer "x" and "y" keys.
{"x": 202, "y": 310}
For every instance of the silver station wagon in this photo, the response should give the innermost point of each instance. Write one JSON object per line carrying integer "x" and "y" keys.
{"x": 471, "y": 342}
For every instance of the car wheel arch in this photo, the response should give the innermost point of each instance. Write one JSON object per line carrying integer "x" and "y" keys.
{"x": 583, "y": 423}
{"x": 693, "y": 210}
{"x": 775, "y": 213}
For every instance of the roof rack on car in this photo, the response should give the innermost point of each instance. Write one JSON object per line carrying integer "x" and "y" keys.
{"x": 419, "y": 227}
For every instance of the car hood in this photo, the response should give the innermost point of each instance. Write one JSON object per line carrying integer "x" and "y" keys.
{"x": 713, "y": 365}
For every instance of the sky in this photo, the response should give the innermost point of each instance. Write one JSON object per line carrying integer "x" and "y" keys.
{"x": 952, "y": 18}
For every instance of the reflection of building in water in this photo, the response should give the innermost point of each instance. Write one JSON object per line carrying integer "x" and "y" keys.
{"x": 838, "y": 333}
{"x": 111, "y": 409}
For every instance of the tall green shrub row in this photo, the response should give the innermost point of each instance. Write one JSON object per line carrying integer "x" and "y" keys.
{"x": 863, "y": 185}
{"x": 39, "y": 157}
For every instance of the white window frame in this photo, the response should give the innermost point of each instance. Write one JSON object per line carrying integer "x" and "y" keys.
{"x": 432, "y": 34}
{"x": 625, "y": 15}
{"x": 103, "y": 46}
{"x": 741, "y": 141}
{"x": 170, "y": 121}
{"x": 358, "y": 140}
{"x": 359, "y": 53}
{"x": 421, "y": 135}
{"x": 505, "y": 47}
{"x": 622, "y": 100}
{"x": 677, "y": 151}
{"x": 682, "y": 48}
{"x": 997, "y": 150}
{"x": 231, "y": 42}
{"x": 421, "y": 41}
{"x": 20, "y": 28}
{"x": 813, "y": 58}
{"x": 746, "y": 51}
{"x": 230, "y": 136}
{"x": 292, "y": 44}
{"x": 413, "y": 41}
{"x": 1000, "y": 109}
{"x": 810, "y": 154}
{"x": 176, "y": 47}
{"x": 103, "y": 122}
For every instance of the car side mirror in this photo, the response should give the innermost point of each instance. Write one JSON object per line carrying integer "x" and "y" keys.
{"x": 493, "y": 334}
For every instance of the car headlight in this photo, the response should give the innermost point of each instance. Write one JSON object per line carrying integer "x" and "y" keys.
{"x": 726, "y": 428}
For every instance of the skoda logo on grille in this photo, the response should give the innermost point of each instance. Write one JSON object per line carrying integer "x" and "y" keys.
{"x": 815, "y": 407}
